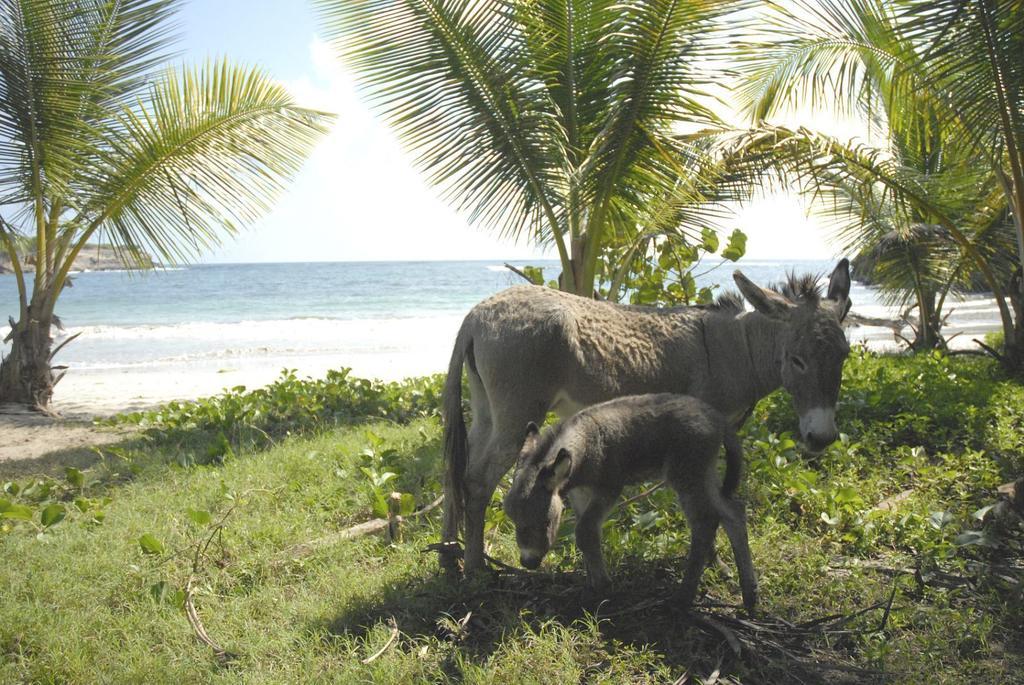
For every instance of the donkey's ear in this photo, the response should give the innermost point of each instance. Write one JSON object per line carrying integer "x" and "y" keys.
{"x": 532, "y": 430}
{"x": 839, "y": 287}
{"x": 558, "y": 471}
{"x": 768, "y": 302}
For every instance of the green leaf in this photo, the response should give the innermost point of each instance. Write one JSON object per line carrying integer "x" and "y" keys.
{"x": 974, "y": 537}
{"x": 162, "y": 592}
{"x": 847, "y": 495}
{"x": 647, "y": 519}
{"x": 379, "y": 505}
{"x": 940, "y": 519}
{"x": 199, "y": 517}
{"x": 52, "y": 515}
{"x": 19, "y": 512}
{"x": 74, "y": 476}
{"x": 709, "y": 239}
{"x": 408, "y": 504}
{"x": 150, "y": 545}
{"x": 535, "y": 274}
{"x": 980, "y": 514}
{"x": 736, "y": 247}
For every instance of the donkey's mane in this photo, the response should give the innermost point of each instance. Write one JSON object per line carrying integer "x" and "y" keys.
{"x": 802, "y": 288}
{"x": 726, "y": 302}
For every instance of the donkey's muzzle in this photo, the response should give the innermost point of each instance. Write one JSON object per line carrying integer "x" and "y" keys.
{"x": 817, "y": 443}
{"x": 530, "y": 561}
{"x": 818, "y": 429}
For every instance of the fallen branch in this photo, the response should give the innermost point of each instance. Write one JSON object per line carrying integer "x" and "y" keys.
{"x": 387, "y": 645}
{"x": 860, "y": 320}
{"x": 893, "y": 502}
{"x": 304, "y": 549}
{"x": 998, "y": 357}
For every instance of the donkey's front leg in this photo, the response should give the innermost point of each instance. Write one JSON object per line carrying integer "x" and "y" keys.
{"x": 482, "y": 478}
{"x": 592, "y": 509}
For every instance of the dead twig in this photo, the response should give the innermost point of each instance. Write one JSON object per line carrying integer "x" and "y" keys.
{"x": 519, "y": 272}
{"x": 304, "y": 549}
{"x": 387, "y": 645}
{"x": 888, "y": 607}
{"x": 223, "y": 656}
{"x": 703, "y": 619}
{"x": 646, "y": 493}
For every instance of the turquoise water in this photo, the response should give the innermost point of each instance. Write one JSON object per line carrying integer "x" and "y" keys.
{"x": 222, "y": 311}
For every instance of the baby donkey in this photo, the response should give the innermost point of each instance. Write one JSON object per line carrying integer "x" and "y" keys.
{"x": 592, "y": 455}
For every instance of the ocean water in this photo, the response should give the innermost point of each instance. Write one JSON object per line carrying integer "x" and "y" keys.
{"x": 216, "y": 313}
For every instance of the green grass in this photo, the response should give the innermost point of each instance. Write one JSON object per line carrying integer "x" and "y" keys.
{"x": 81, "y": 602}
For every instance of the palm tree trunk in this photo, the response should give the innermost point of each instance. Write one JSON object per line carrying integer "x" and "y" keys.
{"x": 25, "y": 374}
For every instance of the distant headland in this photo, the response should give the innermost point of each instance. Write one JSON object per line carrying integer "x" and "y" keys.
{"x": 91, "y": 258}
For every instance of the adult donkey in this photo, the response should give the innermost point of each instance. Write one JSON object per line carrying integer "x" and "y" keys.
{"x": 529, "y": 350}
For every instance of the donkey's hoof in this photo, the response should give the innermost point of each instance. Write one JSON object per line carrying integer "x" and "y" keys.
{"x": 750, "y": 604}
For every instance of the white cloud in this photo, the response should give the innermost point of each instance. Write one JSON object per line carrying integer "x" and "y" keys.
{"x": 358, "y": 197}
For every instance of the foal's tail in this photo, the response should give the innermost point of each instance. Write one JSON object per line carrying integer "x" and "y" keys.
{"x": 455, "y": 439}
{"x": 733, "y": 462}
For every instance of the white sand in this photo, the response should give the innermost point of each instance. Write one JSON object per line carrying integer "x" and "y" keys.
{"x": 101, "y": 392}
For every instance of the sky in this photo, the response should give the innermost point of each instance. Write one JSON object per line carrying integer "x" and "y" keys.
{"x": 358, "y": 197}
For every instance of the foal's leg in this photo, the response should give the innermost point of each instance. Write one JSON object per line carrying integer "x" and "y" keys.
{"x": 592, "y": 507}
{"x": 703, "y": 525}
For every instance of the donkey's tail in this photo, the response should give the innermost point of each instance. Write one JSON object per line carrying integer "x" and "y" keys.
{"x": 455, "y": 438}
{"x": 733, "y": 462}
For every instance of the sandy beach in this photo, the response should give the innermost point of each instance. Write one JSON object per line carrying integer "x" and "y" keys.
{"x": 89, "y": 392}
{"x": 184, "y": 333}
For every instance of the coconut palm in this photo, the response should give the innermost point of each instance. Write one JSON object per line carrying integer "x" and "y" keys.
{"x": 552, "y": 119}
{"x": 98, "y": 140}
{"x": 954, "y": 83}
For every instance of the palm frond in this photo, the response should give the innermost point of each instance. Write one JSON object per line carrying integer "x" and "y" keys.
{"x": 63, "y": 66}
{"x": 208, "y": 151}
{"x": 451, "y": 78}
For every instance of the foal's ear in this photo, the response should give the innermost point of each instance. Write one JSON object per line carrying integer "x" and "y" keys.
{"x": 839, "y": 287}
{"x": 530, "y": 439}
{"x": 768, "y": 302}
{"x": 558, "y": 472}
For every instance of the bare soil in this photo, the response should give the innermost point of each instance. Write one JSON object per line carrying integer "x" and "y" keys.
{"x": 34, "y": 443}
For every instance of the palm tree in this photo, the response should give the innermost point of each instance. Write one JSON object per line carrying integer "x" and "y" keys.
{"x": 554, "y": 119}
{"x": 953, "y": 81}
{"x": 97, "y": 140}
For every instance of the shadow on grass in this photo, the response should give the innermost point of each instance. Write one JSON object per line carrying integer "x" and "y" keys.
{"x": 643, "y": 613}
{"x": 51, "y": 463}
{"x": 117, "y": 458}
